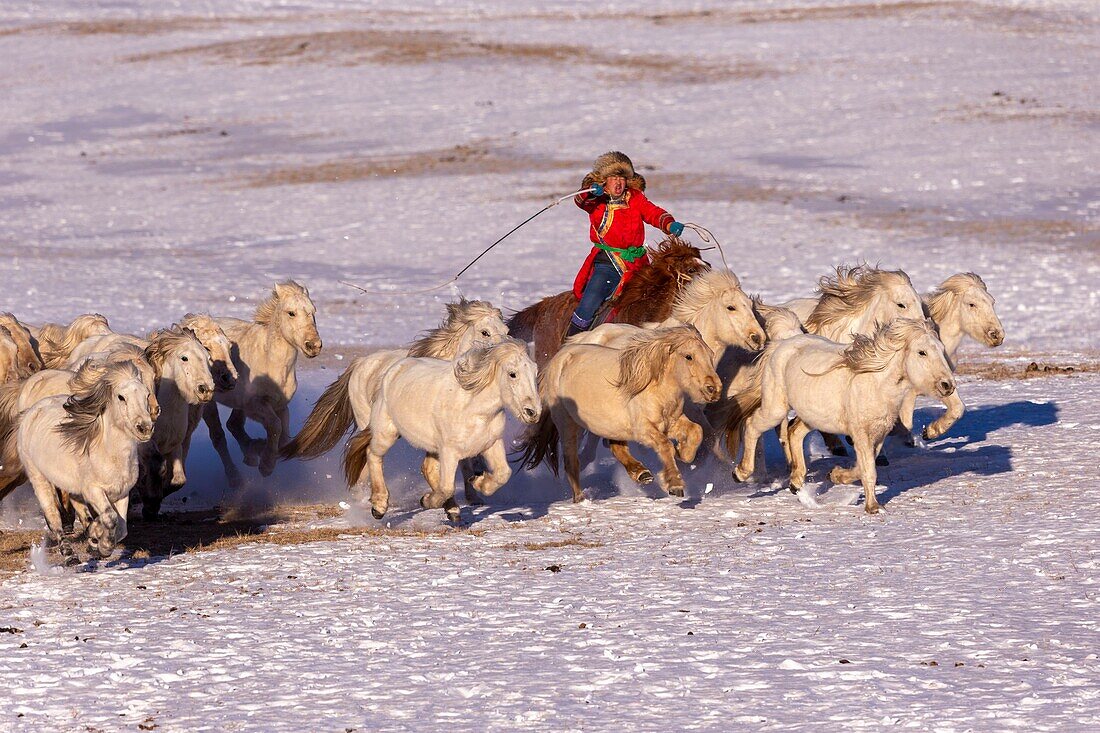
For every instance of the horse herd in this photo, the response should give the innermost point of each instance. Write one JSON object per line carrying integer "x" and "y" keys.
{"x": 684, "y": 361}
